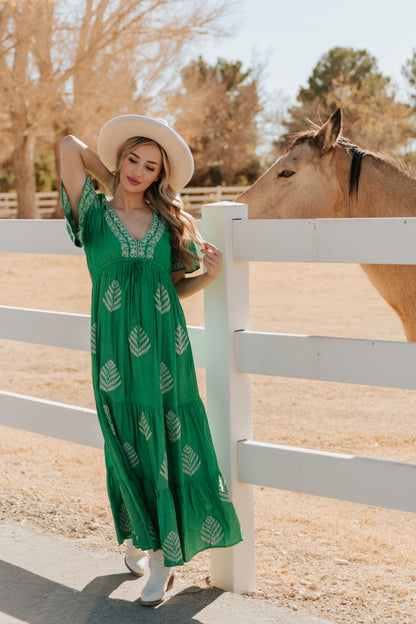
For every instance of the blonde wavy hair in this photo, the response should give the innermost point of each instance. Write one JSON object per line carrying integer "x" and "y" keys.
{"x": 166, "y": 202}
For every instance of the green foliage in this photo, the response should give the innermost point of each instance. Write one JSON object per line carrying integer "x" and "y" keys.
{"x": 351, "y": 80}
{"x": 339, "y": 63}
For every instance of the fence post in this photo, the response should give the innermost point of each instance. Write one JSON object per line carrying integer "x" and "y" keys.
{"x": 227, "y": 310}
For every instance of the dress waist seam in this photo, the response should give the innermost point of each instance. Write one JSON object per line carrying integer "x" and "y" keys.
{"x": 96, "y": 274}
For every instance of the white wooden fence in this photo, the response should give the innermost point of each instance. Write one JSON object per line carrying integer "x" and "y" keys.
{"x": 192, "y": 197}
{"x": 230, "y": 352}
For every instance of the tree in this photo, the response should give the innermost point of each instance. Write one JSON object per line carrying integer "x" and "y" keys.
{"x": 350, "y": 79}
{"x": 15, "y": 65}
{"x": 66, "y": 67}
{"x": 358, "y": 65}
{"x": 409, "y": 72}
{"x": 215, "y": 110}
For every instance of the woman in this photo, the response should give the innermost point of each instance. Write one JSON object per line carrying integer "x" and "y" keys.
{"x": 166, "y": 492}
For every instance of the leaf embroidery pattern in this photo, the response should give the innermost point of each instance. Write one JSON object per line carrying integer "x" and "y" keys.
{"x": 190, "y": 461}
{"x": 112, "y": 297}
{"x": 139, "y": 341}
{"x": 144, "y": 427}
{"x": 162, "y": 301}
{"x": 164, "y": 467}
{"x": 172, "y": 547}
{"x": 181, "y": 340}
{"x": 131, "y": 455}
{"x": 211, "y": 531}
{"x": 124, "y": 518}
{"x": 94, "y": 337}
{"x": 166, "y": 379}
{"x": 224, "y": 495}
{"x": 109, "y": 377}
{"x": 173, "y": 426}
{"x": 109, "y": 419}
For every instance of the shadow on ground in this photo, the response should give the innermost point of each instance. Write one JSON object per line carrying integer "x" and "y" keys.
{"x": 37, "y": 600}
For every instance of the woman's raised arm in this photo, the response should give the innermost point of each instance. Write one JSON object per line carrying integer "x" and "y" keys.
{"x": 76, "y": 159}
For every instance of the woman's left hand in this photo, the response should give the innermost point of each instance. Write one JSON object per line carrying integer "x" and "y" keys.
{"x": 212, "y": 260}
{"x": 187, "y": 286}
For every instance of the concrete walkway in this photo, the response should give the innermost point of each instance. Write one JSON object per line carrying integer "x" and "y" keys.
{"x": 52, "y": 580}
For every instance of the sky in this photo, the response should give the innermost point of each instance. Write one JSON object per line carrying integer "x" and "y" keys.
{"x": 292, "y": 35}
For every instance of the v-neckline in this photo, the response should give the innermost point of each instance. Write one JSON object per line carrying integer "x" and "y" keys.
{"x": 127, "y": 231}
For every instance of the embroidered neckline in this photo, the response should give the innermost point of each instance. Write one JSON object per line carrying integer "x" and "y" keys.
{"x": 128, "y": 233}
{"x": 130, "y": 246}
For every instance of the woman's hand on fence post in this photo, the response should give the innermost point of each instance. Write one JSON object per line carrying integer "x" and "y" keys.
{"x": 212, "y": 260}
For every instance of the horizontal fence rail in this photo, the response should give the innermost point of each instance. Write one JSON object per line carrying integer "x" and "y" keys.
{"x": 58, "y": 420}
{"x": 36, "y": 236}
{"x": 362, "y": 241}
{"x": 68, "y": 331}
{"x": 53, "y": 329}
{"x": 332, "y": 475}
{"x": 347, "y": 360}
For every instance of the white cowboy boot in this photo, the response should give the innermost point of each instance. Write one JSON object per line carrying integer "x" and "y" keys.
{"x": 136, "y": 559}
{"x": 159, "y": 582}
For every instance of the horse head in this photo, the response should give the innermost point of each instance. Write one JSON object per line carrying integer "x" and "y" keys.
{"x": 307, "y": 181}
{"x": 323, "y": 175}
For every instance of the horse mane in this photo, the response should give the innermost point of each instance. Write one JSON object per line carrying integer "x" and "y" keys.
{"x": 357, "y": 155}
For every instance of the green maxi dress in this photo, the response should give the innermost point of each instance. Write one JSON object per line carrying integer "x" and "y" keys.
{"x": 165, "y": 488}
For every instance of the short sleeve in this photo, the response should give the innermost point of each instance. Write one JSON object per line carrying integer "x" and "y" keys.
{"x": 88, "y": 199}
{"x": 177, "y": 266}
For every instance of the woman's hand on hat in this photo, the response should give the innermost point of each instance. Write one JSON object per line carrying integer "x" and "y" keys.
{"x": 212, "y": 260}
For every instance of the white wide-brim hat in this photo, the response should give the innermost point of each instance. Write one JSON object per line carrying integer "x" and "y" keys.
{"x": 119, "y": 129}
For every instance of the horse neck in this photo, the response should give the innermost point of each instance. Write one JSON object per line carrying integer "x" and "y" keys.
{"x": 385, "y": 190}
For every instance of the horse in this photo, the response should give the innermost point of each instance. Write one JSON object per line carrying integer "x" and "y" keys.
{"x": 323, "y": 175}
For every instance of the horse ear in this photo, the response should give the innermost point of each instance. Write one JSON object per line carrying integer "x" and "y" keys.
{"x": 327, "y": 135}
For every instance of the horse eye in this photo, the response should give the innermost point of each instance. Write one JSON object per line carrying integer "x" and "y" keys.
{"x": 285, "y": 174}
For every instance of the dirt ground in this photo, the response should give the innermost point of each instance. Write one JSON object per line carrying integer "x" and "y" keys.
{"x": 341, "y": 561}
